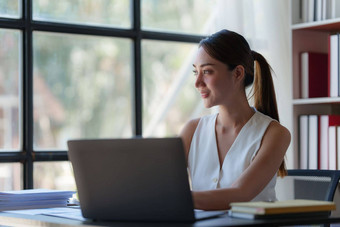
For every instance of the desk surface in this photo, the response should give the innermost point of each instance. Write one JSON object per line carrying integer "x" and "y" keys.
{"x": 13, "y": 219}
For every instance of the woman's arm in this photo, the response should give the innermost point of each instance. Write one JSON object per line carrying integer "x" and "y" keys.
{"x": 187, "y": 134}
{"x": 255, "y": 178}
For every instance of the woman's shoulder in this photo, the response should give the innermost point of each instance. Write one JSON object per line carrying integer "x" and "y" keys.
{"x": 190, "y": 126}
{"x": 273, "y": 125}
{"x": 276, "y": 131}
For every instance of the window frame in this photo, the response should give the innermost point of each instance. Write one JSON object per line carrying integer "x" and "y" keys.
{"x": 27, "y": 155}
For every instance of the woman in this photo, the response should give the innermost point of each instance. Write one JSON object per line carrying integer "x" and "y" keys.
{"x": 234, "y": 155}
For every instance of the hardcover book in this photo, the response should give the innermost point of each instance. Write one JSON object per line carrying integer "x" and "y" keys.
{"x": 283, "y": 207}
{"x": 314, "y": 75}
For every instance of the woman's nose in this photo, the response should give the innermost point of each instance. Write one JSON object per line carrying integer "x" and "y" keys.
{"x": 199, "y": 80}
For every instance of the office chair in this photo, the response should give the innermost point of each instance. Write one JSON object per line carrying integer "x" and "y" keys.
{"x": 309, "y": 184}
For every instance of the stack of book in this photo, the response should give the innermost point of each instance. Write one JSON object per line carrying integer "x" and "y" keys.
{"x": 281, "y": 209}
{"x": 33, "y": 199}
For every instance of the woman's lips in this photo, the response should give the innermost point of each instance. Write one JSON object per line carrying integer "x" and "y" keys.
{"x": 204, "y": 94}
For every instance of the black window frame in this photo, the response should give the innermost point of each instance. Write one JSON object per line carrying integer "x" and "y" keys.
{"x": 26, "y": 155}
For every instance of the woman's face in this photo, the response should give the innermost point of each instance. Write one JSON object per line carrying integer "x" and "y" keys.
{"x": 214, "y": 80}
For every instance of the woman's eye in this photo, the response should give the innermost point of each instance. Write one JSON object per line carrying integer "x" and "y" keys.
{"x": 206, "y": 71}
{"x": 195, "y": 72}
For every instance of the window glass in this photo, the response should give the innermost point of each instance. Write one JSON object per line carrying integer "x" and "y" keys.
{"x": 82, "y": 88}
{"x": 10, "y": 71}
{"x": 182, "y": 16}
{"x": 170, "y": 98}
{"x": 115, "y": 13}
{"x": 10, "y": 8}
{"x": 10, "y": 176}
{"x": 54, "y": 175}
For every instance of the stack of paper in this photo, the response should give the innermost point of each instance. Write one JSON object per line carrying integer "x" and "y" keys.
{"x": 280, "y": 209}
{"x": 33, "y": 199}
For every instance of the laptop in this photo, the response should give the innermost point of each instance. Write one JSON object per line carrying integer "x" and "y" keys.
{"x": 139, "y": 179}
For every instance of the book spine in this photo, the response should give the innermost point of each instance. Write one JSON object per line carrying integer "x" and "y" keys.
{"x": 334, "y": 70}
{"x": 303, "y": 146}
{"x": 304, "y": 75}
{"x": 323, "y": 135}
{"x": 313, "y": 142}
{"x": 332, "y": 148}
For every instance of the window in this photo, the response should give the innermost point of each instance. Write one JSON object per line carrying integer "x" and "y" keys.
{"x": 189, "y": 16}
{"x": 106, "y": 13}
{"x": 81, "y": 88}
{"x": 92, "y": 69}
{"x": 10, "y": 8}
{"x": 10, "y": 70}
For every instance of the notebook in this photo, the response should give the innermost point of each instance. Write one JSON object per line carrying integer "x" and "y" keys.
{"x": 139, "y": 179}
{"x": 282, "y": 209}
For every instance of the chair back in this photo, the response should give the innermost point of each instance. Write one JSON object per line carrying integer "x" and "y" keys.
{"x": 308, "y": 184}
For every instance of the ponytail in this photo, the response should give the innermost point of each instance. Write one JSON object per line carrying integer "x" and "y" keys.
{"x": 264, "y": 94}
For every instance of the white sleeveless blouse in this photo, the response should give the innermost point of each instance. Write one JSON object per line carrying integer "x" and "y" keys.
{"x": 203, "y": 160}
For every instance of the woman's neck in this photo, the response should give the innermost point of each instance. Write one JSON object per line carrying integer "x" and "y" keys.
{"x": 234, "y": 115}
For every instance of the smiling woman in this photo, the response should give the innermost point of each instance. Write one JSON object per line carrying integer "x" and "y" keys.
{"x": 235, "y": 154}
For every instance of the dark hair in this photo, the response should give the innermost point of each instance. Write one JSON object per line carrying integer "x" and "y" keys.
{"x": 232, "y": 49}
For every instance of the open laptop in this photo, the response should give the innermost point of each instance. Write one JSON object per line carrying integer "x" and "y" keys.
{"x": 139, "y": 179}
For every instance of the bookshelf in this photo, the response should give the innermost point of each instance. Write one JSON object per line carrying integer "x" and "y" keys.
{"x": 308, "y": 37}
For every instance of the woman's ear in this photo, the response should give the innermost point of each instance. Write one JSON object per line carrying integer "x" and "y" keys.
{"x": 239, "y": 72}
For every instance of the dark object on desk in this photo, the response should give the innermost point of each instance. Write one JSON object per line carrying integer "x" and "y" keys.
{"x": 133, "y": 179}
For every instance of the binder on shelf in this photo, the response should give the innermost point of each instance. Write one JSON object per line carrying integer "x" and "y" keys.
{"x": 313, "y": 141}
{"x": 314, "y": 67}
{"x": 323, "y": 131}
{"x": 333, "y": 65}
{"x": 330, "y": 9}
{"x": 324, "y": 10}
{"x": 334, "y": 123}
{"x": 325, "y": 139}
{"x": 332, "y": 147}
{"x": 318, "y": 10}
{"x": 303, "y": 141}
